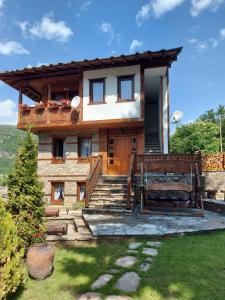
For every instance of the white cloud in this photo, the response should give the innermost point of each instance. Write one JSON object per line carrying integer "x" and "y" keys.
{"x": 192, "y": 41}
{"x": 1, "y": 3}
{"x": 157, "y": 8}
{"x": 198, "y": 6}
{"x": 222, "y": 33}
{"x": 48, "y": 29}
{"x": 201, "y": 46}
{"x": 8, "y": 112}
{"x": 209, "y": 43}
{"x": 214, "y": 42}
{"x": 108, "y": 29}
{"x": 135, "y": 44}
{"x": 144, "y": 13}
{"x": 85, "y": 5}
{"x": 12, "y": 47}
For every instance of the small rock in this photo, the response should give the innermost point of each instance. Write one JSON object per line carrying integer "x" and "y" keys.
{"x": 150, "y": 251}
{"x": 129, "y": 282}
{"x": 112, "y": 271}
{"x": 149, "y": 259}
{"x": 134, "y": 245}
{"x": 144, "y": 267}
{"x": 90, "y": 296}
{"x": 126, "y": 261}
{"x": 101, "y": 281}
{"x": 118, "y": 298}
{"x": 154, "y": 244}
{"x": 132, "y": 251}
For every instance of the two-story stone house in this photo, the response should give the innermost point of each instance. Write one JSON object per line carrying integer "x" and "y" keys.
{"x": 111, "y": 107}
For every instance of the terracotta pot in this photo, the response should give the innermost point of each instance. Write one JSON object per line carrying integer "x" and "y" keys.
{"x": 40, "y": 259}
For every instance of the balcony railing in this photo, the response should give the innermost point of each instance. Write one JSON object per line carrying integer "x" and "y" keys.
{"x": 51, "y": 114}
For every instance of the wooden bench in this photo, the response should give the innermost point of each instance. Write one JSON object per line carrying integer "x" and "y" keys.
{"x": 180, "y": 167}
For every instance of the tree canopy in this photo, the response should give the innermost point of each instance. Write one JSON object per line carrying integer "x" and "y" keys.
{"x": 195, "y": 136}
{"x": 25, "y": 191}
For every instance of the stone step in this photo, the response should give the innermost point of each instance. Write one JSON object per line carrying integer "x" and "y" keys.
{"x": 110, "y": 186}
{"x": 107, "y": 211}
{"x": 107, "y": 197}
{"x": 100, "y": 201}
{"x": 110, "y": 191}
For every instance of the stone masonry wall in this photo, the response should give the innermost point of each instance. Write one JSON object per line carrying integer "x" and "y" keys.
{"x": 215, "y": 181}
{"x": 71, "y": 171}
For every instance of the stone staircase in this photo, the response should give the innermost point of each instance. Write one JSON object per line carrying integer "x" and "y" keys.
{"x": 109, "y": 196}
{"x": 152, "y": 143}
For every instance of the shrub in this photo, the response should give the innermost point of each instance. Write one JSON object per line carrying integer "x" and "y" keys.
{"x": 11, "y": 254}
{"x": 25, "y": 191}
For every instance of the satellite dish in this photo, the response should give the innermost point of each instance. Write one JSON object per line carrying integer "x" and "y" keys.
{"x": 176, "y": 116}
{"x": 75, "y": 102}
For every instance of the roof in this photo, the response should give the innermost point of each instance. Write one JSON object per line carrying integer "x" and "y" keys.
{"x": 166, "y": 56}
{"x": 18, "y": 78}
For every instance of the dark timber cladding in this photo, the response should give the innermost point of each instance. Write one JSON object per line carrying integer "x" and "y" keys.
{"x": 147, "y": 59}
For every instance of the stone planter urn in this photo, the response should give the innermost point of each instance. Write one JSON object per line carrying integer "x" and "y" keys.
{"x": 40, "y": 259}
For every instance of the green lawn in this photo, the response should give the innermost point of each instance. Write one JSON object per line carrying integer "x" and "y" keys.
{"x": 190, "y": 267}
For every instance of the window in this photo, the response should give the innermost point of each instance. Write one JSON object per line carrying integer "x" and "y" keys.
{"x": 84, "y": 147}
{"x": 57, "y": 192}
{"x": 81, "y": 191}
{"x": 126, "y": 88}
{"x": 97, "y": 91}
{"x": 58, "y": 149}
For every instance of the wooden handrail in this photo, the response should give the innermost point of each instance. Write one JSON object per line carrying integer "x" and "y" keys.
{"x": 96, "y": 170}
{"x": 130, "y": 181}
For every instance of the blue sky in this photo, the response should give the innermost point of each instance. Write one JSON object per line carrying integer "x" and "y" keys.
{"x": 44, "y": 31}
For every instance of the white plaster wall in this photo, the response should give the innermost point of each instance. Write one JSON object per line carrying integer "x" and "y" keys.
{"x": 111, "y": 110}
{"x": 165, "y": 116}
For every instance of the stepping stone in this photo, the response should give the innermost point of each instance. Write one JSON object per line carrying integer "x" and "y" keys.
{"x": 112, "y": 271}
{"x": 144, "y": 267}
{"x": 129, "y": 282}
{"x": 149, "y": 259}
{"x": 118, "y": 298}
{"x": 150, "y": 251}
{"x": 90, "y": 296}
{"x": 126, "y": 261}
{"x": 101, "y": 281}
{"x": 132, "y": 251}
{"x": 154, "y": 244}
{"x": 134, "y": 245}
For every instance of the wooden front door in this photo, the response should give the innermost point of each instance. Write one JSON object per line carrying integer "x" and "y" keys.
{"x": 119, "y": 154}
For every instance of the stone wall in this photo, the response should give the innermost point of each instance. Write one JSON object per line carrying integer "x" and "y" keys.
{"x": 71, "y": 171}
{"x": 214, "y": 181}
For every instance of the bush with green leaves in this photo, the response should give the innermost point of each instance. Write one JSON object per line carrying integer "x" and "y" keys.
{"x": 195, "y": 136}
{"x": 11, "y": 254}
{"x": 26, "y": 191}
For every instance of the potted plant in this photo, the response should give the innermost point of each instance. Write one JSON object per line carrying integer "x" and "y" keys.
{"x": 66, "y": 103}
{"x": 40, "y": 105}
{"x": 52, "y": 104}
{"x": 40, "y": 257}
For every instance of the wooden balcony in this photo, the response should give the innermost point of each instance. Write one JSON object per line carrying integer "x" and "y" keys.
{"x": 42, "y": 116}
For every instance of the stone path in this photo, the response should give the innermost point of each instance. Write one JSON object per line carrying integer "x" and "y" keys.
{"x": 152, "y": 225}
{"x": 130, "y": 280}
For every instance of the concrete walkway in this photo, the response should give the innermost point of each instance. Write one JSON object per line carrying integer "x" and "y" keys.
{"x": 152, "y": 225}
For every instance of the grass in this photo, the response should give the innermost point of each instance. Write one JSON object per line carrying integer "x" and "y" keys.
{"x": 190, "y": 267}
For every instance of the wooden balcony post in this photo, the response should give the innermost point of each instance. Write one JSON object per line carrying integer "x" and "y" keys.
{"x": 20, "y": 97}
{"x": 49, "y": 91}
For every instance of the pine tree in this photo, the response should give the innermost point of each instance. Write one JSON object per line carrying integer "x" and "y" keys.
{"x": 11, "y": 254}
{"x": 25, "y": 191}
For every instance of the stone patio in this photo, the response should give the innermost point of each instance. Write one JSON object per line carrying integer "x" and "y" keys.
{"x": 152, "y": 225}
